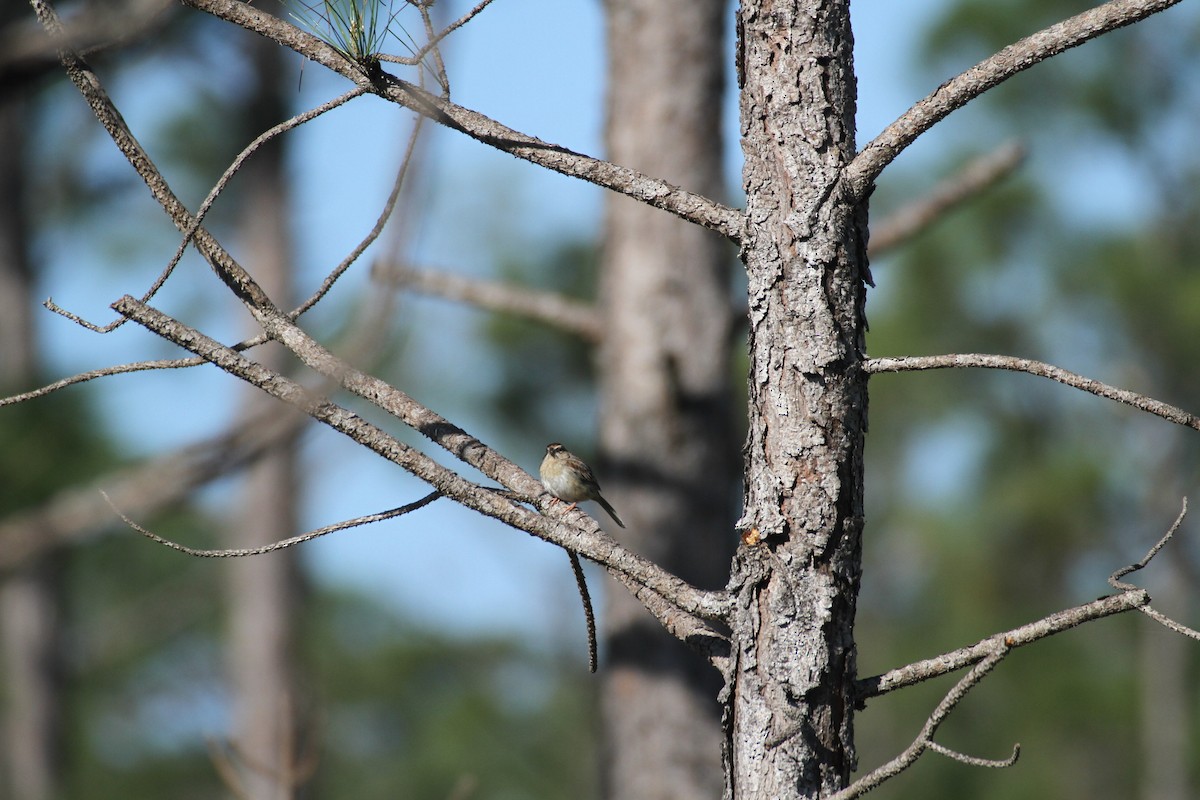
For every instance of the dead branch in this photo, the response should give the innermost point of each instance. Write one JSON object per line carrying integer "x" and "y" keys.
{"x": 1115, "y": 581}
{"x": 652, "y": 191}
{"x": 860, "y": 174}
{"x": 1039, "y": 368}
{"x": 972, "y": 180}
{"x": 550, "y": 308}
{"x": 589, "y": 615}
{"x": 924, "y": 739}
{"x": 1129, "y": 597}
{"x": 1026, "y": 634}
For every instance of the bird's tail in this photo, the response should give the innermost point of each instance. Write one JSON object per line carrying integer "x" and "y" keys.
{"x": 610, "y": 511}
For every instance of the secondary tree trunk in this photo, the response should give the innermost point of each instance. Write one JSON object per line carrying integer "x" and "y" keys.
{"x": 29, "y": 598}
{"x": 789, "y": 725}
{"x": 265, "y": 591}
{"x": 666, "y": 420}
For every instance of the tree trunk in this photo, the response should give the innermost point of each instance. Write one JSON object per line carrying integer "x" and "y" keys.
{"x": 29, "y": 601}
{"x": 265, "y": 590}
{"x": 789, "y": 725}
{"x": 666, "y": 422}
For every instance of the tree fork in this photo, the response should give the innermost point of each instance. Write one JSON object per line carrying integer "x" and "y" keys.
{"x": 789, "y": 694}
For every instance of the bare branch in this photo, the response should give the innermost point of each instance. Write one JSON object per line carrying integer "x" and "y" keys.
{"x": 1026, "y": 634}
{"x": 586, "y": 538}
{"x": 583, "y": 537}
{"x": 83, "y": 377}
{"x": 1039, "y": 368}
{"x": 281, "y": 545}
{"x": 1115, "y": 581}
{"x": 652, "y": 191}
{"x": 416, "y": 57}
{"x": 975, "y": 761}
{"x": 861, "y": 173}
{"x": 549, "y": 308}
{"x": 972, "y": 180}
{"x": 588, "y": 614}
{"x": 1130, "y": 597}
{"x": 924, "y": 739}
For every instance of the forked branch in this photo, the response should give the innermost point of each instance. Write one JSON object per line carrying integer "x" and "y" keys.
{"x": 924, "y": 740}
{"x": 861, "y": 173}
{"x": 985, "y": 656}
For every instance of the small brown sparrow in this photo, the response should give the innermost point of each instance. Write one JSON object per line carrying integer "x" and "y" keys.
{"x": 568, "y": 478}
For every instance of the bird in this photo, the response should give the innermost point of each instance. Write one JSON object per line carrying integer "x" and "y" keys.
{"x": 567, "y": 477}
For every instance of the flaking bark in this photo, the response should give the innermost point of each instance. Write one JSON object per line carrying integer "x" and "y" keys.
{"x": 789, "y": 722}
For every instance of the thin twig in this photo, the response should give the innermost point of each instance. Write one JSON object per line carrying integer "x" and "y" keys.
{"x": 861, "y": 173}
{"x": 589, "y": 615}
{"x": 972, "y": 180}
{"x": 924, "y": 739}
{"x": 415, "y": 58}
{"x": 241, "y": 552}
{"x": 439, "y": 66}
{"x": 583, "y": 537}
{"x": 1154, "y": 614}
{"x": 1039, "y": 368}
{"x": 550, "y": 308}
{"x": 1115, "y": 581}
{"x": 83, "y": 377}
{"x": 384, "y": 215}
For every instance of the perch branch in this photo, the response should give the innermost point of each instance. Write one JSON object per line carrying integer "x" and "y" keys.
{"x": 861, "y": 173}
{"x": 586, "y": 539}
{"x": 1039, "y": 368}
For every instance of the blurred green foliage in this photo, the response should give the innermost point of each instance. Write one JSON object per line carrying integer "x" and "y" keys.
{"x": 996, "y": 498}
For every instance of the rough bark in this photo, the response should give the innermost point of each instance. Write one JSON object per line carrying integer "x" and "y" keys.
{"x": 789, "y": 723}
{"x": 666, "y": 422}
{"x": 264, "y": 592}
